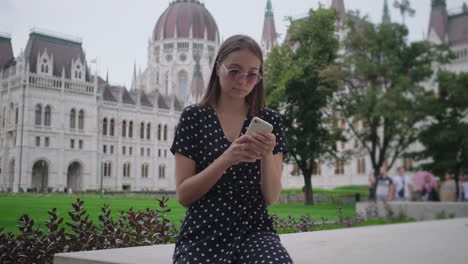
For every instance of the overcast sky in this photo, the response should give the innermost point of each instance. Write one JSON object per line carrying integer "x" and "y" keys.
{"x": 116, "y": 32}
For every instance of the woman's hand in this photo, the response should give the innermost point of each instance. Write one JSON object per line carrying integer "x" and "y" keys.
{"x": 262, "y": 144}
{"x": 240, "y": 151}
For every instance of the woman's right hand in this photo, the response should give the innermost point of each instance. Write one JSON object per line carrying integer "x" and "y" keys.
{"x": 240, "y": 151}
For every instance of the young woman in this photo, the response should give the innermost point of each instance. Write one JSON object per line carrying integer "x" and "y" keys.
{"x": 224, "y": 177}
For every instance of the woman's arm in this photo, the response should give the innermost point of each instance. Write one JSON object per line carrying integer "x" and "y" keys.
{"x": 272, "y": 167}
{"x": 191, "y": 186}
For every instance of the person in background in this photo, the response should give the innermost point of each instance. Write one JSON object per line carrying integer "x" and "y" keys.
{"x": 403, "y": 186}
{"x": 461, "y": 194}
{"x": 465, "y": 186}
{"x": 448, "y": 192}
{"x": 429, "y": 190}
{"x": 385, "y": 189}
{"x": 371, "y": 186}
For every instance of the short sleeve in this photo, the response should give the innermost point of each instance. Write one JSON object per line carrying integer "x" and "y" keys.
{"x": 185, "y": 140}
{"x": 274, "y": 118}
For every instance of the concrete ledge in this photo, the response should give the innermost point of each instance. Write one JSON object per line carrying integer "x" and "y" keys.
{"x": 442, "y": 241}
{"x": 416, "y": 210}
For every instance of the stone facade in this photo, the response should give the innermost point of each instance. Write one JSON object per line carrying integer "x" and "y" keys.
{"x": 63, "y": 127}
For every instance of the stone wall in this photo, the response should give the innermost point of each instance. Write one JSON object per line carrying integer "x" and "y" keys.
{"x": 416, "y": 210}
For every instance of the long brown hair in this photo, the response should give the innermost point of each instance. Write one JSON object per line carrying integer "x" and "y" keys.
{"x": 256, "y": 98}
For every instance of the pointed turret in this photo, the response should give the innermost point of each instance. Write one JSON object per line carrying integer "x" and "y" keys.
{"x": 134, "y": 79}
{"x": 340, "y": 7}
{"x": 6, "y": 51}
{"x": 438, "y": 22}
{"x": 269, "y": 35}
{"x": 386, "y": 14}
{"x": 197, "y": 85}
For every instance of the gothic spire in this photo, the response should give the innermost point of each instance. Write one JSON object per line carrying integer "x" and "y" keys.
{"x": 438, "y": 21}
{"x": 269, "y": 10}
{"x": 269, "y": 35}
{"x": 134, "y": 80}
{"x": 340, "y": 7}
{"x": 439, "y": 3}
{"x": 386, "y": 14}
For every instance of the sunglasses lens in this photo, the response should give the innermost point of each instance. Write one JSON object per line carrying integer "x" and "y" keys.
{"x": 234, "y": 75}
{"x": 252, "y": 77}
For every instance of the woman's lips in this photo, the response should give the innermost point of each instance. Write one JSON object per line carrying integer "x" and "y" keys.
{"x": 239, "y": 90}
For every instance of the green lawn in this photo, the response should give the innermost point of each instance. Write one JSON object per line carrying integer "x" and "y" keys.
{"x": 345, "y": 190}
{"x": 12, "y": 206}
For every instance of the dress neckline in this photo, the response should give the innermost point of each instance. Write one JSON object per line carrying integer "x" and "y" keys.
{"x": 218, "y": 121}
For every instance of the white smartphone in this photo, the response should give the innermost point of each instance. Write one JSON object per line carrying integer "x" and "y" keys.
{"x": 258, "y": 125}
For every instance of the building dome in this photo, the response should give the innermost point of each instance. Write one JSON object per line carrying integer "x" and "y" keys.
{"x": 182, "y": 16}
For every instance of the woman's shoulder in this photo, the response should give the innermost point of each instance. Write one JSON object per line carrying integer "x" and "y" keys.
{"x": 269, "y": 114}
{"x": 195, "y": 110}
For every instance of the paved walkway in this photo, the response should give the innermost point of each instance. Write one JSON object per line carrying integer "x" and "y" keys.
{"x": 442, "y": 241}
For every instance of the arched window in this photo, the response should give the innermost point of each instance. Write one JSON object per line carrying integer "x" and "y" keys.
{"x": 166, "y": 82}
{"x": 162, "y": 172}
{"x": 72, "y": 118}
{"x": 165, "y": 132}
{"x": 104, "y": 127}
{"x": 339, "y": 166}
{"x": 127, "y": 169}
{"x": 142, "y": 130}
{"x": 130, "y": 129}
{"x": 81, "y": 120}
{"x": 107, "y": 169}
{"x": 112, "y": 124}
{"x": 3, "y": 117}
{"x": 124, "y": 128}
{"x": 38, "y": 114}
{"x": 159, "y": 131}
{"x": 144, "y": 170}
{"x": 11, "y": 113}
{"x": 16, "y": 115}
{"x": 182, "y": 81}
{"x": 47, "y": 115}
{"x": 148, "y": 131}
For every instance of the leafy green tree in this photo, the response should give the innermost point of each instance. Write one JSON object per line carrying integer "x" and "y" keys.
{"x": 295, "y": 85}
{"x": 382, "y": 99}
{"x": 444, "y": 135}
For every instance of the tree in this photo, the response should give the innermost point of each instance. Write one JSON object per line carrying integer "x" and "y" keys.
{"x": 383, "y": 76}
{"x": 444, "y": 134}
{"x": 295, "y": 85}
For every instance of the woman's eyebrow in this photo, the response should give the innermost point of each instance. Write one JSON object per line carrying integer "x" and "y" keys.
{"x": 237, "y": 65}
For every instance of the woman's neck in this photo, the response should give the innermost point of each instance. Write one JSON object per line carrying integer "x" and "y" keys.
{"x": 230, "y": 105}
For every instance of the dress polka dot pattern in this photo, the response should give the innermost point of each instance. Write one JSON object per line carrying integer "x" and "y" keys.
{"x": 230, "y": 223}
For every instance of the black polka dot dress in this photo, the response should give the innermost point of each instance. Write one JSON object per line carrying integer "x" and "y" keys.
{"x": 230, "y": 223}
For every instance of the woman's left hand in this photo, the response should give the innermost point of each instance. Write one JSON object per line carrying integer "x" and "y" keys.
{"x": 262, "y": 144}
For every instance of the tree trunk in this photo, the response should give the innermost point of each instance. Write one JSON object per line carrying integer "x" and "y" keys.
{"x": 309, "y": 198}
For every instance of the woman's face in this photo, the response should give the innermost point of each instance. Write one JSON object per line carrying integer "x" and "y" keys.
{"x": 238, "y": 74}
